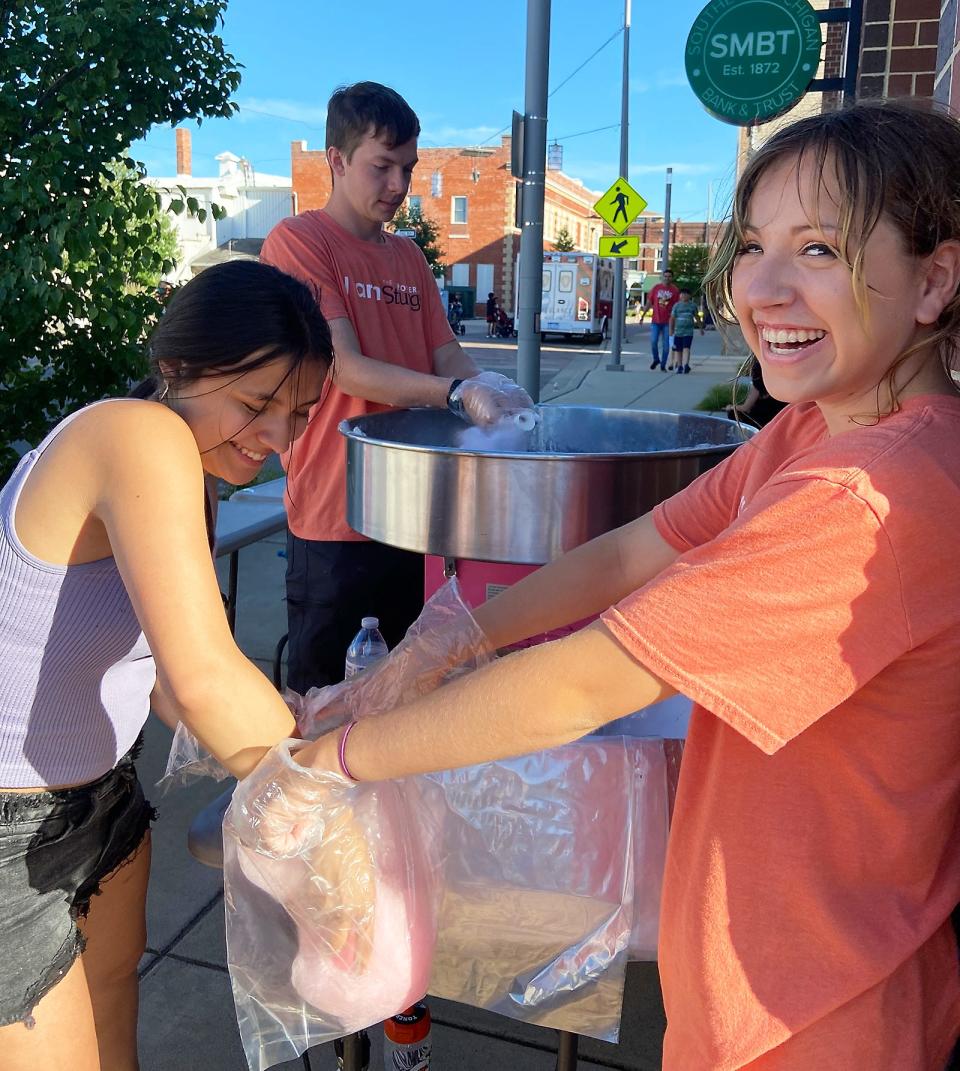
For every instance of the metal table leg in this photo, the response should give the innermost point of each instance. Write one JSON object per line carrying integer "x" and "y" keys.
{"x": 567, "y": 1051}
{"x": 354, "y": 1051}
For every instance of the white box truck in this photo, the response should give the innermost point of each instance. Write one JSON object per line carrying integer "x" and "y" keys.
{"x": 577, "y": 295}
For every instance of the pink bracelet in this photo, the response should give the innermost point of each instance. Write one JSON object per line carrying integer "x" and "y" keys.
{"x": 340, "y": 751}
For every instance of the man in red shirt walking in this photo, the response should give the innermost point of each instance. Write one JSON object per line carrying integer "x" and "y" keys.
{"x": 662, "y": 299}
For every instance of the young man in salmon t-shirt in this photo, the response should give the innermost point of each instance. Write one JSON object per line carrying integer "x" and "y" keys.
{"x": 393, "y": 347}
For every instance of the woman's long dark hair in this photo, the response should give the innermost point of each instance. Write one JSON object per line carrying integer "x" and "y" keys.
{"x": 235, "y": 317}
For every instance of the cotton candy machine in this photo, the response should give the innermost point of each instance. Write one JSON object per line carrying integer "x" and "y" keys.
{"x": 580, "y": 473}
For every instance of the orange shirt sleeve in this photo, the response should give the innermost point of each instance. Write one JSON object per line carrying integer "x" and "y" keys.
{"x": 704, "y": 508}
{"x": 780, "y": 617}
{"x": 303, "y": 255}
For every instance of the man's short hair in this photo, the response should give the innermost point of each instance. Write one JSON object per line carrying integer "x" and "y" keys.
{"x": 684, "y": 290}
{"x": 365, "y": 108}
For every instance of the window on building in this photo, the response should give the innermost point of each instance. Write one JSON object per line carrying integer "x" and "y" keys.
{"x": 460, "y": 275}
{"x": 415, "y": 206}
{"x": 458, "y": 210}
{"x": 436, "y": 184}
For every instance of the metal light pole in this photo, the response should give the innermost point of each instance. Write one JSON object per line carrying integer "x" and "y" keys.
{"x": 665, "y": 251}
{"x": 619, "y": 295}
{"x": 529, "y": 286}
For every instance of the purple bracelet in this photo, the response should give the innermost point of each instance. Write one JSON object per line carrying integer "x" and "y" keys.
{"x": 340, "y": 751}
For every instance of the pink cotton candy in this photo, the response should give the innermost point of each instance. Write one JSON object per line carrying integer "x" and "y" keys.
{"x": 383, "y": 966}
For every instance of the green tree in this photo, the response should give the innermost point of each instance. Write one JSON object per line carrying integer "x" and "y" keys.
{"x": 82, "y": 237}
{"x": 426, "y": 235}
{"x": 564, "y": 241}
{"x": 689, "y": 265}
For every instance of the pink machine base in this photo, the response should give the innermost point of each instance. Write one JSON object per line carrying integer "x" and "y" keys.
{"x": 480, "y": 581}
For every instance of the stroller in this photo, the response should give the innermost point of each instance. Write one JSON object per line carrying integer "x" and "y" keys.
{"x": 455, "y": 318}
{"x": 505, "y": 328}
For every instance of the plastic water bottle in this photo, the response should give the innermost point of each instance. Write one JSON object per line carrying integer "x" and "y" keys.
{"x": 368, "y": 646}
{"x": 406, "y": 1040}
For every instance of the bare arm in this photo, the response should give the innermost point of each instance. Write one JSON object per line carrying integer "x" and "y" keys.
{"x": 753, "y": 396}
{"x": 536, "y": 699}
{"x": 148, "y": 491}
{"x": 380, "y": 381}
{"x": 583, "y": 582}
{"x": 450, "y": 360}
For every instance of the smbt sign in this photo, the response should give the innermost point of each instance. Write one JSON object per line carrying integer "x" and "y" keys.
{"x": 749, "y": 60}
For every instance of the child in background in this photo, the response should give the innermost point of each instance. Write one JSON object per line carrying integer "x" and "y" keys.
{"x": 684, "y": 317}
{"x": 805, "y": 593}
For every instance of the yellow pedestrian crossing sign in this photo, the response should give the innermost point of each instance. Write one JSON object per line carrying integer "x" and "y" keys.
{"x": 620, "y": 206}
{"x": 626, "y": 246}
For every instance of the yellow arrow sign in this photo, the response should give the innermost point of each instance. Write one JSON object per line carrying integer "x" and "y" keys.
{"x": 620, "y": 206}
{"x": 627, "y": 246}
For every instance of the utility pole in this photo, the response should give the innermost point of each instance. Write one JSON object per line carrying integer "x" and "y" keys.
{"x": 665, "y": 252}
{"x": 619, "y": 293}
{"x": 529, "y": 284}
{"x": 706, "y": 240}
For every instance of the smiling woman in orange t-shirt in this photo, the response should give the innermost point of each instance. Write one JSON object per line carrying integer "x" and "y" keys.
{"x": 806, "y": 594}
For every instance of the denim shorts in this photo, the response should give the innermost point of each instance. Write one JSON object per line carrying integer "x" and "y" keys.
{"x": 55, "y": 849}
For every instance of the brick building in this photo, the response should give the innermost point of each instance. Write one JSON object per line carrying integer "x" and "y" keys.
{"x": 471, "y": 195}
{"x": 907, "y": 49}
{"x": 899, "y": 53}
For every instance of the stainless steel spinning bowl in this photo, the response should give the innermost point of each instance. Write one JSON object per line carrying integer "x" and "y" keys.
{"x": 587, "y": 470}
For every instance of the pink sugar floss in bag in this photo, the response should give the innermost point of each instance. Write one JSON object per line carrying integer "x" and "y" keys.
{"x": 353, "y": 903}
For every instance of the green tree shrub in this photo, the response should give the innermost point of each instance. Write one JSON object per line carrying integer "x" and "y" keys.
{"x": 427, "y": 236}
{"x": 82, "y": 238}
{"x": 564, "y": 241}
{"x": 689, "y": 265}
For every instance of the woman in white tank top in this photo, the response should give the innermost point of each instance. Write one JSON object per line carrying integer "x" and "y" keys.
{"x": 109, "y": 605}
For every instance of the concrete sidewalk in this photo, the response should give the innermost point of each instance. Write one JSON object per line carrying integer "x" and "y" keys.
{"x": 187, "y": 1014}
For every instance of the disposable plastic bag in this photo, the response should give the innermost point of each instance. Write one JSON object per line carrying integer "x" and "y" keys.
{"x": 537, "y": 894}
{"x": 516, "y": 877}
{"x": 330, "y": 927}
{"x": 189, "y": 759}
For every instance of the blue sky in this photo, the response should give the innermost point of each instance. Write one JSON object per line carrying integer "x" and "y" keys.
{"x": 461, "y": 67}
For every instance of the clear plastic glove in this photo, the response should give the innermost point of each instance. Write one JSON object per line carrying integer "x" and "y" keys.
{"x": 309, "y": 820}
{"x": 444, "y": 642}
{"x": 487, "y": 398}
{"x": 288, "y": 808}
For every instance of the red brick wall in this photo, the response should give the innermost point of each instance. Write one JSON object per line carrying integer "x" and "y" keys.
{"x": 649, "y": 229}
{"x": 184, "y": 151}
{"x": 310, "y": 177}
{"x": 899, "y": 53}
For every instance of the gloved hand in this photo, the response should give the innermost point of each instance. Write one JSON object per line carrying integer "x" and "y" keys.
{"x": 444, "y": 641}
{"x": 300, "y": 837}
{"x": 284, "y": 809}
{"x": 487, "y": 398}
